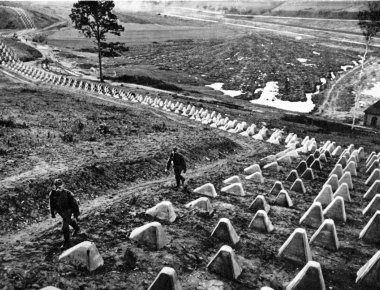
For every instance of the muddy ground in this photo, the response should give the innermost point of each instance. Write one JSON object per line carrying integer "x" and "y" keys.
{"x": 112, "y": 154}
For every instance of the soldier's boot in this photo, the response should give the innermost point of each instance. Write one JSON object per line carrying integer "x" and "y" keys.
{"x": 66, "y": 237}
{"x": 76, "y": 228}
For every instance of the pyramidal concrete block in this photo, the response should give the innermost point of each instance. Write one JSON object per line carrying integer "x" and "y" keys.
{"x": 346, "y": 178}
{"x": 325, "y": 196}
{"x": 336, "y": 210}
{"x": 272, "y": 167}
{"x": 351, "y": 168}
{"x": 371, "y": 231}
{"x": 261, "y": 222}
{"x": 310, "y": 159}
{"x": 84, "y": 254}
{"x": 372, "y": 191}
{"x": 151, "y": 235}
{"x": 373, "y": 160}
{"x": 285, "y": 160}
{"x": 256, "y": 177}
{"x": 333, "y": 182}
{"x": 326, "y": 236}
{"x": 301, "y": 167}
{"x": 373, "y": 153}
{"x": 373, "y": 206}
{"x": 308, "y": 174}
{"x": 344, "y": 192}
{"x": 283, "y": 199}
{"x": 296, "y": 248}
{"x": 259, "y": 203}
{"x": 167, "y": 279}
{"x": 375, "y": 175}
{"x": 323, "y": 158}
{"x": 276, "y": 188}
{"x": 337, "y": 151}
{"x": 310, "y": 277}
{"x": 369, "y": 274}
{"x": 313, "y": 217}
{"x": 352, "y": 159}
{"x": 163, "y": 211}
{"x": 298, "y": 186}
{"x": 343, "y": 161}
{"x": 338, "y": 170}
{"x": 293, "y": 175}
{"x": 372, "y": 167}
{"x": 252, "y": 169}
{"x": 224, "y": 263}
{"x": 207, "y": 189}
{"x": 317, "y": 153}
{"x": 202, "y": 203}
{"x": 316, "y": 165}
{"x": 232, "y": 179}
{"x": 234, "y": 189}
{"x": 224, "y": 231}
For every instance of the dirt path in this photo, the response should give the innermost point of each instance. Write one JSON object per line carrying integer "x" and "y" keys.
{"x": 328, "y": 107}
{"x": 105, "y": 201}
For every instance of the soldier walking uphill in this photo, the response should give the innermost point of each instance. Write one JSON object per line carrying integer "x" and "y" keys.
{"x": 63, "y": 202}
{"x": 179, "y": 165}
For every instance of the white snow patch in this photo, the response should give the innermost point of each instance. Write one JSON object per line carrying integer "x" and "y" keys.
{"x": 316, "y": 53}
{"x": 298, "y": 37}
{"x": 332, "y": 75}
{"x": 219, "y": 86}
{"x": 374, "y": 91}
{"x": 323, "y": 81}
{"x": 355, "y": 62}
{"x": 268, "y": 98}
{"x": 302, "y": 60}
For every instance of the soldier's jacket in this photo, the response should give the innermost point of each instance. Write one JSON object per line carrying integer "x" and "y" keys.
{"x": 62, "y": 200}
{"x": 178, "y": 160}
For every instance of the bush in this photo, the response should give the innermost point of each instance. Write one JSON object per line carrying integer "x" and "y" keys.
{"x": 40, "y": 38}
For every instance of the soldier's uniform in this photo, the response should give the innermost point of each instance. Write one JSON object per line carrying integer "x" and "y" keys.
{"x": 179, "y": 165}
{"x": 63, "y": 202}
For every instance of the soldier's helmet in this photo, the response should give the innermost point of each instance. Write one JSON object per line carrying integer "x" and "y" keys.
{"x": 58, "y": 182}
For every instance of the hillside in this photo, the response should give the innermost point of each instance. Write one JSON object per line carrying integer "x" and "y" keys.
{"x": 313, "y": 9}
{"x": 19, "y": 18}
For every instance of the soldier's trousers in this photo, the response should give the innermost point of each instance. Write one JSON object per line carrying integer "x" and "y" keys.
{"x": 178, "y": 176}
{"x": 66, "y": 223}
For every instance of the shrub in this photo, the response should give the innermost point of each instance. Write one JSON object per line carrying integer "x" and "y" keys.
{"x": 40, "y": 38}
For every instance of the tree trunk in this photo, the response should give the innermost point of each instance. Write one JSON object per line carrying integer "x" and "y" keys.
{"x": 100, "y": 63}
{"x": 357, "y": 91}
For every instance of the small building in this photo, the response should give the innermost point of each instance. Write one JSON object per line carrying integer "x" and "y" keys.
{"x": 372, "y": 115}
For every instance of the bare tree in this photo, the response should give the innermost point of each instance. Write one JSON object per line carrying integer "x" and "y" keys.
{"x": 369, "y": 23}
{"x": 95, "y": 19}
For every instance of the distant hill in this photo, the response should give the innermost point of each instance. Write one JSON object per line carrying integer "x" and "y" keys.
{"x": 295, "y": 8}
{"x": 15, "y": 16}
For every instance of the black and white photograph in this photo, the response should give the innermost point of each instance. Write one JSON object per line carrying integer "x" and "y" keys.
{"x": 189, "y": 145}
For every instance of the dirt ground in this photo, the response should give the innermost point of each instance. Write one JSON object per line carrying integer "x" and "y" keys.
{"x": 112, "y": 155}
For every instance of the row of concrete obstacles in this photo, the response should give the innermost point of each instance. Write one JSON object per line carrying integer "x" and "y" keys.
{"x": 333, "y": 195}
{"x": 153, "y": 236}
{"x": 296, "y": 248}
